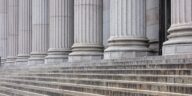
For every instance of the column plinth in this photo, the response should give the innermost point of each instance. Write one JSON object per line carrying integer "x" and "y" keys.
{"x": 25, "y": 31}
{"x": 180, "y": 33}
{"x": 40, "y": 31}
{"x": 88, "y": 31}
{"x": 127, "y": 30}
{"x": 61, "y": 30}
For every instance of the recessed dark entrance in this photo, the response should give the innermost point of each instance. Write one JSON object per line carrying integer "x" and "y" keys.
{"x": 165, "y": 21}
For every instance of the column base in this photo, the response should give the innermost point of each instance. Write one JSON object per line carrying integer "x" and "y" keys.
{"x": 177, "y": 49}
{"x": 78, "y": 58}
{"x": 180, "y": 40}
{"x": 3, "y": 60}
{"x": 86, "y": 52}
{"x": 22, "y": 59}
{"x": 125, "y": 54}
{"x": 36, "y": 59}
{"x": 56, "y": 56}
{"x": 127, "y": 47}
{"x": 11, "y": 60}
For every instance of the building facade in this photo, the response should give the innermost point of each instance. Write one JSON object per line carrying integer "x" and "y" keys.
{"x": 56, "y": 31}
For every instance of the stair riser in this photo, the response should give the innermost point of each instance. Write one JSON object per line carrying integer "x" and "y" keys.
{"x": 156, "y": 72}
{"x": 154, "y": 87}
{"x": 31, "y": 90}
{"x": 8, "y": 93}
{"x": 129, "y": 78}
{"x": 124, "y": 66}
{"x": 97, "y": 91}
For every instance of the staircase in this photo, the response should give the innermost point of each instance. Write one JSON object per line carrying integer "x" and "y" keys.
{"x": 147, "y": 76}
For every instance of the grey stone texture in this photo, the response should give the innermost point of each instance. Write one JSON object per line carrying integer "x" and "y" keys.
{"x": 61, "y": 30}
{"x": 13, "y": 31}
{"x": 180, "y": 41}
{"x": 88, "y": 28}
{"x": 25, "y": 31}
{"x": 40, "y": 31}
{"x": 3, "y": 30}
{"x": 152, "y": 25}
{"x": 131, "y": 28}
{"x": 142, "y": 76}
{"x": 127, "y": 30}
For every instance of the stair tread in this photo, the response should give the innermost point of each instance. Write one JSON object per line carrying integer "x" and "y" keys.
{"x": 53, "y": 90}
{"x": 105, "y": 80}
{"x": 2, "y": 94}
{"x": 97, "y": 74}
{"x": 24, "y": 93}
{"x": 149, "y": 92}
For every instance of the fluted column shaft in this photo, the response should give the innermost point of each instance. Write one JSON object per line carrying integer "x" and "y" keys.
{"x": 40, "y": 31}
{"x": 25, "y": 30}
{"x": 88, "y": 30}
{"x": 13, "y": 21}
{"x": 106, "y": 22}
{"x": 180, "y": 38}
{"x": 127, "y": 33}
{"x": 61, "y": 30}
{"x": 3, "y": 30}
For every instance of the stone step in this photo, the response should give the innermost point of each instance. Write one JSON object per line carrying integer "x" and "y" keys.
{"x": 2, "y": 94}
{"x": 118, "y": 64}
{"x": 114, "y": 65}
{"x": 16, "y": 92}
{"x": 129, "y": 71}
{"x": 88, "y": 83}
{"x": 115, "y": 71}
{"x": 123, "y": 66}
{"x": 107, "y": 91}
{"x": 135, "y": 77}
{"x": 45, "y": 90}
{"x": 156, "y": 86}
{"x": 8, "y": 92}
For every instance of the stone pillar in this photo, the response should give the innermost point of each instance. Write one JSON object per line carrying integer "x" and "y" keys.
{"x": 180, "y": 32}
{"x": 13, "y": 21}
{"x": 61, "y": 30}
{"x": 88, "y": 30}
{"x": 106, "y": 22}
{"x": 128, "y": 32}
{"x": 40, "y": 31}
{"x": 152, "y": 21}
{"x": 3, "y": 30}
{"x": 25, "y": 31}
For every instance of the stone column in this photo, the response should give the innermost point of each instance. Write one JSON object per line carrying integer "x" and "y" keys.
{"x": 61, "y": 30}
{"x": 13, "y": 21}
{"x": 152, "y": 21}
{"x": 25, "y": 31}
{"x": 40, "y": 31}
{"x": 106, "y": 22}
{"x": 180, "y": 32}
{"x": 88, "y": 30}
{"x": 3, "y": 30}
{"x": 128, "y": 32}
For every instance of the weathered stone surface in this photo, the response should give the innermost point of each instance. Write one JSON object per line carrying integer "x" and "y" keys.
{"x": 13, "y": 22}
{"x": 25, "y": 31}
{"x": 40, "y": 31}
{"x": 61, "y": 30}
{"x": 88, "y": 28}
{"x": 169, "y": 76}
{"x": 3, "y": 30}
{"x": 127, "y": 30}
{"x": 180, "y": 41}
